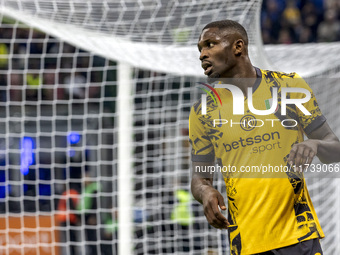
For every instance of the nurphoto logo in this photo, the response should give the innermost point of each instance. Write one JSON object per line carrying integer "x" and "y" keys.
{"x": 238, "y": 99}
{"x": 249, "y": 122}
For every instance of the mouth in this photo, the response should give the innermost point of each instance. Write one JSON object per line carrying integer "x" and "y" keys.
{"x": 207, "y": 66}
{"x": 208, "y": 70}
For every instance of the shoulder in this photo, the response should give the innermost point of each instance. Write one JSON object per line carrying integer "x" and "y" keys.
{"x": 210, "y": 104}
{"x": 196, "y": 107}
{"x": 282, "y": 79}
{"x": 279, "y": 75}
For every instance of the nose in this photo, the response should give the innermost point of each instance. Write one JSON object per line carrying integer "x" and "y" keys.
{"x": 203, "y": 54}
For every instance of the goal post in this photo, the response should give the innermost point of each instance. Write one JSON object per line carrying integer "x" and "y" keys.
{"x": 125, "y": 153}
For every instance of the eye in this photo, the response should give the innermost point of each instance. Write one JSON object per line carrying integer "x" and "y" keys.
{"x": 211, "y": 44}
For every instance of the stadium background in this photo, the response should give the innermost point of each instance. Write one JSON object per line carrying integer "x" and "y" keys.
{"x": 94, "y": 157}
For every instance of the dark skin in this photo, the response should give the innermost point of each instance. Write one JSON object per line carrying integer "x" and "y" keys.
{"x": 211, "y": 199}
{"x": 224, "y": 54}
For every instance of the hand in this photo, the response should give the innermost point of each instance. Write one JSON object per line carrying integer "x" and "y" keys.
{"x": 212, "y": 199}
{"x": 302, "y": 154}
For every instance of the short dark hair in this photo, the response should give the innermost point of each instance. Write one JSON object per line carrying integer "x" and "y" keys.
{"x": 229, "y": 24}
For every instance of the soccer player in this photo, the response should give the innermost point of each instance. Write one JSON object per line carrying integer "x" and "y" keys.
{"x": 265, "y": 215}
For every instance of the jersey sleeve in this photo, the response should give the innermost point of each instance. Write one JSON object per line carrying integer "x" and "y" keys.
{"x": 202, "y": 148}
{"x": 311, "y": 122}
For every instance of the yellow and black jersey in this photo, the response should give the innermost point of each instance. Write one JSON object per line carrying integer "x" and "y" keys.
{"x": 267, "y": 209}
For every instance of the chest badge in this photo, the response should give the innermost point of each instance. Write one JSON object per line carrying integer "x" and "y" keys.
{"x": 248, "y": 122}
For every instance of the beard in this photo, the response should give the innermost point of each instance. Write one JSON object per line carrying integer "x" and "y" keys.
{"x": 213, "y": 77}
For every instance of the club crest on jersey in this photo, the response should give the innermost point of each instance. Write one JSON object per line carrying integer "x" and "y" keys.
{"x": 248, "y": 122}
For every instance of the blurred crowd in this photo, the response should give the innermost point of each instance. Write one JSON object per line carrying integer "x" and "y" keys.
{"x": 300, "y": 21}
{"x": 47, "y": 68}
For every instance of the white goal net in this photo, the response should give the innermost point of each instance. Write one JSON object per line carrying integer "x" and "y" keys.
{"x": 94, "y": 104}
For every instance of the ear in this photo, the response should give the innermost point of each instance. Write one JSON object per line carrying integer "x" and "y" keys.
{"x": 238, "y": 47}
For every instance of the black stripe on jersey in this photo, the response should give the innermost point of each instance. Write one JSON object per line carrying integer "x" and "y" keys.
{"x": 204, "y": 148}
{"x": 318, "y": 122}
{"x": 258, "y": 79}
{"x": 203, "y": 158}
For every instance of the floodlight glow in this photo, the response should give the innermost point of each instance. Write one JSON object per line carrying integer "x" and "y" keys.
{"x": 73, "y": 137}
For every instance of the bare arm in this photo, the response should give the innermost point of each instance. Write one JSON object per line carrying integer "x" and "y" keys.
{"x": 322, "y": 143}
{"x": 328, "y": 144}
{"x": 203, "y": 191}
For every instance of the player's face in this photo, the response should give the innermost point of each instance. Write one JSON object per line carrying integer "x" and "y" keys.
{"x": 216, "y": 53}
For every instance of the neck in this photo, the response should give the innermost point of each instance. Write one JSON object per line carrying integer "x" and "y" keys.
{"x": 242, "y": 76}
